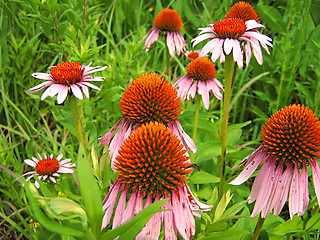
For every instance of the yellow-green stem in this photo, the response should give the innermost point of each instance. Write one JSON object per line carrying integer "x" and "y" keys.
{"x": 196, "y": 120}
{"x": 168, "y": 56}
{"x": 76, "y": 118}
{"x": 225, "y": 117}
{"x": 258, "y": 228}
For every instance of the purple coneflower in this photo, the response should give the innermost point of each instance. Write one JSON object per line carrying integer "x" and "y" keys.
{"x": 169, "y": 21}
{"x": 152, "y": 165}
{"x": 67, "y": 77}
{"x": 228, "y": 35}
{"x": 244, "y": 11}
{"x": 48, "y": 168}
{"x": 148, "y": 98}
{"x": 291, "y": 141}
{"x": 192, "y": 55}
{"x": 200, "y": 78}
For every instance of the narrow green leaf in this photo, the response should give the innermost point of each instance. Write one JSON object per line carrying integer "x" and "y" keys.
{"x": 203, "y": 177}
{"x": 222, "y": 205}
{"x": 294, "y": 225}
{"x": 90, "y": 192}
{"x": 313, "y": 223}
{"x": 232, "y": 211}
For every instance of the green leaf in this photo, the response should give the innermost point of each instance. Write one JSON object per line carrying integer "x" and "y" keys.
{"x": 232, "y": 211}
{"x": 43, "y": 219}
{"x": 313, "y": 223}
{"x": 222, "y": 205}
{"x": 226, "y": 235}
{"x": 272, "y": 18}
{"x": 294, "y": 225}
{"x": 203, "y": 177}
{"x": 90, "y": 192}
{"x": 136, "y": 223}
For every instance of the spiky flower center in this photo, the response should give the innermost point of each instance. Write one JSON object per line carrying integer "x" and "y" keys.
{"x": 67, "y": 73}
{"x": 230, "y": 28}
{"x": 244, "y": 11}
{"x": 150, "y": 98}
{"x": 47, "y": 166}
{"x": 292, "y": 134}
{"x": 152, "y": 160}
{"x": 201, "y": 69}
{"x": 168, "y": 20}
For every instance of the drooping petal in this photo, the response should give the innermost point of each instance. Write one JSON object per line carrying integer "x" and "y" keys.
{"x": 76, "y": 91}
{"x": 120, "y": 209}
{"x": 316, "y": 176}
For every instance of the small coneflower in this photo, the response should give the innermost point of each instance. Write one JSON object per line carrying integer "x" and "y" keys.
{"x": 152, "y": 165}
{"x": 148, "y": 98}
{"x": 67, "y": 77}
{"x": 200, "y": 78}
{"x": 168, "y": 21}
{"x": 230, "y": 36}
{"x": 48, "y": 168}
{"x": 192, "y": 55}
{"x": 244, "y": 11}
{"x": 291, "y": 141}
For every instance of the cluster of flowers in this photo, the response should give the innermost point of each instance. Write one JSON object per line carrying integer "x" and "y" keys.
{"x": 148, "y": 146}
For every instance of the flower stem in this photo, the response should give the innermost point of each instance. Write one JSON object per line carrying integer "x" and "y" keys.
{"x": 224, "y": 126}
{"x": 258, "y": 228}
{"x": 196, "y": 120}
{"x": 168, "y": 57}
{"x": 77, "y": 122}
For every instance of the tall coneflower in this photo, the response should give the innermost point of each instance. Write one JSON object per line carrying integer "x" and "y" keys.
{"x": 244, "y": 11}
{"x": 147, "y": 99}
{"x": 291, "y": 141}
{"x": 167, "y": 21}
{"x": 152, "y": 165}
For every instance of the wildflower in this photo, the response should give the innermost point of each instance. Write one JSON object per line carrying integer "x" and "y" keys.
{"x": 192, "y": 55}
{"x": 228, "y": 35}
{"x": 169, "y": 21}
{"x": 152, "y": 165}
{"x": 48, "y": 167}
{"x": 291, "y": 140}
{"x": 65, "y": 77}
{"x": 244, "y": 11}
{"x": 148, "y": 98}
{"x": 200, "y": 78}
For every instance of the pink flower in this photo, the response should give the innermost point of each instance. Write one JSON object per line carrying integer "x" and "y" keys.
{"x": 65, "y": 77}
{"x": 200, "y": 78}
{"x": 236, "y": 36}
{"x": 168, "y": 21}
{"x": 291, "y": 140}
{"x": 48, "y": 168}
{"x": 148, "y": 98}
{"x": 152, "y": 166}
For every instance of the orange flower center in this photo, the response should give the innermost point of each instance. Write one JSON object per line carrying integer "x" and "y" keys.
{"x": 230, "y": 28}
{"x": 292, "y": 134}
{"x": 67, "y": 73}
{"x": 152, "y": 159}
{"x": 201, "y": 69}
{"x": 168, "y": 20}
{"x": 47, "y": 166}
{"x": 244, "y": 11}
{"x": 193, "y": 55}
{"x": 150, "y": 98}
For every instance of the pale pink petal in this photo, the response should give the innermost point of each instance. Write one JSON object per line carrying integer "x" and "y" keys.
{"x": 62, "y": 95}
{"x": 40, "y": 86}
{"x": 228, "y": 45}
{"x": 76, "y": 91}
{"x": 30, "y": 163}
{"x": 262, "y": 186}
{"x": 203, "y": 91}
{"x": 295, "y": 200}
{"x": 44, "y": 76}
{"x": 170, "y": 230}
{"x": 170, "y": 43}
{"x": 59, "y": 157}
{"x": 187, "y": 141}
{"x": 90, "y": 85}
{"x": 304, "y": 189}
{"x": 202, "y": 37}
{"x": 85, "y": 90}
{"x": 193, "y": 90}
{"x": 64, "y": 170}
{"x": 252, "y": 24}
{"x": 52, "y": 179}
{"x": 64, "y": 161}
{"x": 316, "y": 176}
{"x": 179, "y": 218}
{"x": 256, "y": 158}
{"x": 120, "y": 209}
{"x": 128, "y": 213}
{"x": 34, "y": 159}
{"x": 105, "y": 140}
{"x": 36, "y": 184}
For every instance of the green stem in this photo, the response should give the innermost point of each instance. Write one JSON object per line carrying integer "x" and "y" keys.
{"x": 168, "y": 57}
{"x": 258, "y": 228}
{"x": 76, "y": 118}
{"x": 225, "y": 117}
{"x": 196, "y": 120}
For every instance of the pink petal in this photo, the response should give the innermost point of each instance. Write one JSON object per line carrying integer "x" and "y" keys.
{"x": 295, "y": 202}
{"x": 105, "y": 140}
{"x": 203, "y": 91}
{"x": 316, "y": 176}
{"x": 40, "y": 86}
{"x": 128, "y": 213}
{"x": 170, "y": 230}
{"x": 44, "y": 76}
{"x": 30, "y": 163}
{"x": 228, "y": 45}
{"x": 76, "y": 91}
{"x": 65, "y": 170}
{"x": 120, "y": 209}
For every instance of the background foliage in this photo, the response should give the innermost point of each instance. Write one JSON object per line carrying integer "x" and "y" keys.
{"x": 37, "y": 34}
